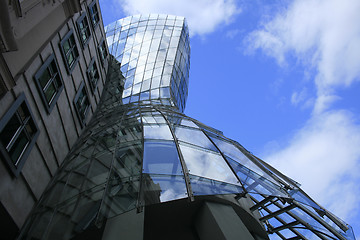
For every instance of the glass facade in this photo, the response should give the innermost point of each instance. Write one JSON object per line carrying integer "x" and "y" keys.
{"x": 154, "y": 52}
{"x": 139, "y": 149}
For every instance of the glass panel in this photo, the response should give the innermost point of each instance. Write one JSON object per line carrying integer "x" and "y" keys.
{"x": 66, "y": 46}
{"x": 207, "y": 164}
{"x": 19, "y": 146}
{"x": 300, "y": 197}
{"x": 205, "y": 186}
{"x": 308, "y": 219}
{"x": 61, "y": 218}
{"x": 70, "y": 59}
{"x": 128, "y": 160}
{"x": 148, "y": 119}
{"x": 161, "y": 157}
{"x": 50, "y": 92}
{"x": 235, "y": 154}
{"x": 39, "y": 225}
{"x": 122, "y": 195}
{"x": 254, "y": 182}
{"x": 195, "y": 137}
{"x": 9, "y": 130}
{"x": 44, "y": 78}
{"x": 188, "y": 123}
{"x": 163, "y": 188}
{"x": 158, "y": 131}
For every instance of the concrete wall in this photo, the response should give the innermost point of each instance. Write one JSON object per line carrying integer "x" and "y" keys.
{"x": 38, "y": 34}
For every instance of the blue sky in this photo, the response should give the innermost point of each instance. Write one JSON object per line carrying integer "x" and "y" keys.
{"x": 283, "y": 79}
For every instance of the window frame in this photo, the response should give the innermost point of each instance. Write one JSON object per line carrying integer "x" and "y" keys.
{"x": 76, "y": 98}
{"x": 73, "y": 48}
{"x": 90, "y": 7}
{"x": 12, "y": 111}
{"x": 80, "y": 30}
{"x": 93, "y": 85}
{"x": 101, "y": 52}
{"x": 37, "y": 76}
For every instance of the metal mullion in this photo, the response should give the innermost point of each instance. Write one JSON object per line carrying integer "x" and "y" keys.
{"x": 49, "y": 81}
{"x": 223, "y": 156}
{"x": 286, "y": 226}
{"x": 140, "y": 198}
{"x": 261, "y": 203}
{"x": 55, "y": 209}
{"x": 278, "y": 212}
{"x": 97, "y": 219}
{"x": 17, "y": 133}
{"x": 253, "y": 159}
{"x": 181, "y": 158}
{"x": 319, "y": 220}
{"x": 307, "y": 225}
{"x": 278, "y": 218}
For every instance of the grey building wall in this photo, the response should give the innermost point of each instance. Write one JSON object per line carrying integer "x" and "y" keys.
{"x": 37, "y": 28}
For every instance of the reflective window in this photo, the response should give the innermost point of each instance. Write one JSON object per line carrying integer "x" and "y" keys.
{"x": 82, "y": 104}
{"x": 157, "y": 131}
{"x": 84, "y": 29}
{"x": 102, "y": 51}
{"x": 69, "y": 51}
{"x": 207, "y": 164}
{"x": 161, "y": 157}
{"x": 93, "y": 75}
{"x": 94, "y": 13}
{"x": 49, "y": 82}
{"x": 229, "y": 149}
{"x": 163, "y": 188}
{"x": 153, "y": 50}
{"x": 205, "y": 186}
{"x": 193, "y": 136}
{"x": 18, "y": 133}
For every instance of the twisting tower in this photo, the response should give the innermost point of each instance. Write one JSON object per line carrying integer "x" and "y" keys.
{"x": 144, "y": 170}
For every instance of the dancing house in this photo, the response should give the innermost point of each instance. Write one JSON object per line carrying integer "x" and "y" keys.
{"x": 142, "y": 169}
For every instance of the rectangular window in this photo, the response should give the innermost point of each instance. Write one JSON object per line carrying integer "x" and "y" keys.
{"x": 49, "y": 82}
{"x": 94, "y": 13}
{"x": 82, "y": 103}
{"x": 84, "y": 29}
{"x": 102, "y": 50}
{"x": 93, "y": 75}
{"x": 69, "y": 51}
{"x": 18, "y": 133}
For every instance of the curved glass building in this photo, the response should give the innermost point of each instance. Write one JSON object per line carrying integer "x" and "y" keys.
{"x": 144, "y": 170}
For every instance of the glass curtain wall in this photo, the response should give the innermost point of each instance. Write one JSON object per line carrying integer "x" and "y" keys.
{"x": 140, "y": 149}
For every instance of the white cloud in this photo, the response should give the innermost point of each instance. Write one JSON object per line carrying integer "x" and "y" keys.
{"x": 324, "y": 156}
{"x": 323, "y": 35}
{"x": 298, "y": 97}
{"x": 203, "y": 16}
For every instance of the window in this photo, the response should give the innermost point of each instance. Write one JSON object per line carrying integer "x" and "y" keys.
{"x": 94, "y": 13}
{"x": 84, "y": 29}
{"x": 82, "y": 103}
{"x": 69, "y": 51}
{"x": 93, "y": 74}
{"x": 49, "y": 82}
{"x": 102, "y": 50}
{"x": 18, "y": 133}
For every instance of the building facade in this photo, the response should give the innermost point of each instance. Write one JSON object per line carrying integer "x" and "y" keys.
{"x": 53, "y": 66}
{"x": 141, "y": 169}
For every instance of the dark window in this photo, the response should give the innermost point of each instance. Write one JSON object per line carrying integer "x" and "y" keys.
{"x": 93, "y": 75}
{"x": 69, "y": 50}
{"x": 84, "y": 29}
{"x": 18, "y": 133}
{"x": 49, "y": 82}
{"x": 82, "y": 103}
{"x": 102, "y": 50}
{"x": 94, "y": 13}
